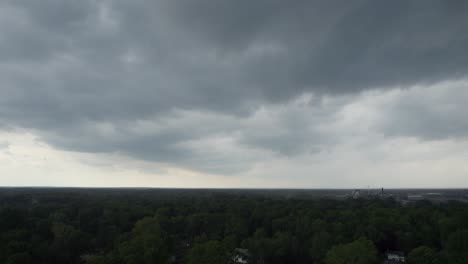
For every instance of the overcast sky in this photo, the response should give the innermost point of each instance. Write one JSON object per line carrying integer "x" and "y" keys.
{"x": 234, "y": 93}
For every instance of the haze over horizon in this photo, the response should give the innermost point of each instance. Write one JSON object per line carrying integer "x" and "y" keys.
{"x": 234, "y": 94}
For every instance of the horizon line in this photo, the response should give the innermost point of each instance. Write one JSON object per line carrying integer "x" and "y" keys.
{"x": 233, "y": 188}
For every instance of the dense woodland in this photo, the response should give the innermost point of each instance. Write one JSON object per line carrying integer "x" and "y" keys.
{"x": 203, "y": 226}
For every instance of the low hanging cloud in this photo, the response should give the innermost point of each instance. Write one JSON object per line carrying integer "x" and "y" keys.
{"x": 218, "y": 86}
{"x": 227, "y": 144}
{"x": 434, "y": 113}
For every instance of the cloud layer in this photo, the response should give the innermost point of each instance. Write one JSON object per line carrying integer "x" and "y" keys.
{"x": 221, "y": 87}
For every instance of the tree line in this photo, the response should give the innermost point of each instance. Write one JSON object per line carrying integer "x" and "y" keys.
{"x": 154, "y": 226}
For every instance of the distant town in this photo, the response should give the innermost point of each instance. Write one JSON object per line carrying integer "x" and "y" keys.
{"x": 405, "y": 196}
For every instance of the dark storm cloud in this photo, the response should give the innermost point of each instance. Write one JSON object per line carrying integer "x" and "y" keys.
{"x": 66, "y": 64}
{"x": 334, "y": 46}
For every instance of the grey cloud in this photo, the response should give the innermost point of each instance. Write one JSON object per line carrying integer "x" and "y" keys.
{"x": 336, "y": 47}
{"x": 4, "y": 144}
{"x": 434, "y": 113}
{"x": 170, "y": 139}
{"x": 208, "y": 141}
{"x": 67, "y": 64}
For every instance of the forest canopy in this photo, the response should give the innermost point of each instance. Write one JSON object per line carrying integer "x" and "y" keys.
{"x": 201, "y": 226}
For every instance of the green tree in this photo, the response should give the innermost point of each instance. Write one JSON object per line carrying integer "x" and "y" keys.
{"x": 361, "y": 251}
{"x": 147, "y": 244}
{"x": 20, "y": 258}
{"x": 456, "y": 250}
{"x": 210, "y": 252}
{"x": 320, "y": 243}
{"x": 423, "y": 255}
{"x": 68, "y": 242}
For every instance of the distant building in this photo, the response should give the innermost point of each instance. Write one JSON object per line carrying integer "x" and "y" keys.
{"x": 394, "y": 257}
{"x": 356, "y": 194}
{"x": 415, "y": 197}
{"x": 240, "y": 256}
